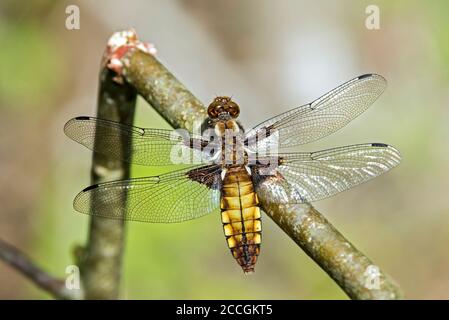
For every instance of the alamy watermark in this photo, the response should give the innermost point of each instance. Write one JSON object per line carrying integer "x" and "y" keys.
{"x": 372, "y": 21}
{"x": 72, "y": 21}
{"x": 226, "y": 147}
{"x": 73, "y": 279}
{"x": 372, "y": 277}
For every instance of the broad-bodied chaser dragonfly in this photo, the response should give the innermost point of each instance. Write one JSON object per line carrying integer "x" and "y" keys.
{"x": 235, "y": 167}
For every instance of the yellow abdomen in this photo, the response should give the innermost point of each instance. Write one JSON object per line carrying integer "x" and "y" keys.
{"x": 240, "y": 214}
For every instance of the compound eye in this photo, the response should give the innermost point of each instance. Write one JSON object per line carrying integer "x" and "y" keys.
{"x": 212, "y": 111}
{"x": 234, "y": 111}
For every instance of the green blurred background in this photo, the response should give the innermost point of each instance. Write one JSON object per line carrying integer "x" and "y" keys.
{"x": 271, "y": 56}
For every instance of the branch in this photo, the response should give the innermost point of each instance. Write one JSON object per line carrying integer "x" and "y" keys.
{"x": 177, "y": 105}
{"x": 24, "y": 265}
{"x": 348, "y": 267}
{"x": 100, "y": 262}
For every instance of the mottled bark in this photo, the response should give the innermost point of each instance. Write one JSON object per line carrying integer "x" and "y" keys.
{"x": 351, "y": 270}
{"x": 101, "y": 260}
{"x": 163, "y": 91}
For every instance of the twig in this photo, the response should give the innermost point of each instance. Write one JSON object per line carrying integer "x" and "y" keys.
{"x": 350, "y": 269}
{"x": 19, "y": 261}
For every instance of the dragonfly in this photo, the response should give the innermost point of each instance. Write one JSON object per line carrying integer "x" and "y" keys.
{"x": 236, "y": 168}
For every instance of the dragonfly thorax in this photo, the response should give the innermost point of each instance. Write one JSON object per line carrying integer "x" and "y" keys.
{"x": 231, "y": 143}
{"x": 226, "y": 128}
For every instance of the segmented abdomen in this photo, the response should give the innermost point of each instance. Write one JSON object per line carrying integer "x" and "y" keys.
{"x": 240, "y": 214}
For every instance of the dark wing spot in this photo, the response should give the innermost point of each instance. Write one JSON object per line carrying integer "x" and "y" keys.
{"x": 90, "y": 187}
{"x": 363, "y": 76}
{"x": 82, "y": 118}
{"x": 381, "y": 145}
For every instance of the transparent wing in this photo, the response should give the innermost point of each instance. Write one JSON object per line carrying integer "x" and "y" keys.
{"x": 306, "y": 177}
{"x": 320, "y": 118}
{"x": 144, "y": 146}
{"x": 173, "y": 197}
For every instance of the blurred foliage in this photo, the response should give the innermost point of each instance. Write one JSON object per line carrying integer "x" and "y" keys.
{"x": 31, "y": 58}
{"x": 32, "y": 66}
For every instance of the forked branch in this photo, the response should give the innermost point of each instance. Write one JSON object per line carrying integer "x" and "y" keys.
{"x": 129, "y": 69}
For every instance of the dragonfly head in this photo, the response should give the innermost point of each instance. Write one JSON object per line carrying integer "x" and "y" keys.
{"x": 223, "y": 107}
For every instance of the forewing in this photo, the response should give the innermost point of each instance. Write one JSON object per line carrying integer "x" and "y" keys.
{"x": 307, "y": 177}
{"x": 144, "y": 146}
{"x": 320, "y": 118}
{"x": 173, "y": 197}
